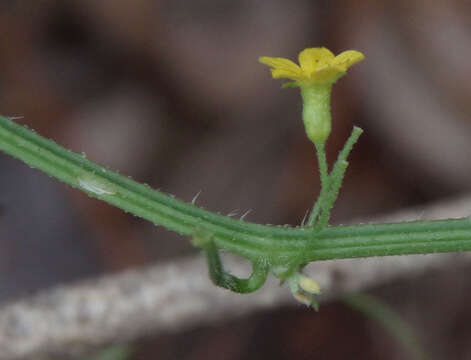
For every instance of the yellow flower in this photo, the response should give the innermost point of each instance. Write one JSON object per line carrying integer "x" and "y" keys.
{"x": 316, "y": 66}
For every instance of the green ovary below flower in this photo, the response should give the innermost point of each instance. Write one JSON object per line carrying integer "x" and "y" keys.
{"x": 318, "y": 69}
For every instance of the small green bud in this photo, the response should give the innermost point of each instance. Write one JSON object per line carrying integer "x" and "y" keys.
{"x": 309, "y": 285}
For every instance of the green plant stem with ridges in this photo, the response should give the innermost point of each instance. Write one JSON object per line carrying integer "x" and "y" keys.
{"x": 325, "y": 184}
{"x": 335, "y": 182}
{"x": 223, "y": 279}
{"x": 274, "y": 244}
{"x": 335, "y": 179}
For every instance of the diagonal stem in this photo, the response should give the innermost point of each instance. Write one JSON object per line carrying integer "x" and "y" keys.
{"x": 336, "y": 179}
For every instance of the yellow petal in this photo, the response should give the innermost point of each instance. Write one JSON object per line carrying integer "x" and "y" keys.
{"x": 280, "y": 63}
{"x": 348, "y": 58}
{"x": 326, "y": 74}
{"x": 313, "y": 58}
{"x": 285, "y": 74}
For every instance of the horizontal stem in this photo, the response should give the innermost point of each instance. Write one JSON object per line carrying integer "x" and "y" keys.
{"x": 276, "y": 244}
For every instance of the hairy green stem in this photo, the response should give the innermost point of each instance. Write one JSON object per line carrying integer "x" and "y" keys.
{"x": 334, "y": 187}
{"x": 336, "y": 178}
{"x": 223, "y": 279}
{"x": 325, "y": 184}
{"x": 330, "y": 183}
{"x": 273, "y": 244}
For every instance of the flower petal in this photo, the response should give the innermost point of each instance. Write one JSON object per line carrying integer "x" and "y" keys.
{"x": 317, "y": 66}
{"x": 312, "y": 58}
{"x": 348, "y": 58}
{"x": 326, "y": 74}
{"x": 280, "y": 63}
{"x": 286, "y": 74}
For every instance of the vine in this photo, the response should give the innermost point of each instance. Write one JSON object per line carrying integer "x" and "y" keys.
{"x": 282, "y": 250}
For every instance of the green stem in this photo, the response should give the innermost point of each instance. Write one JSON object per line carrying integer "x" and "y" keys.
{"x": 330, "y": 184}
{"x": 334, "y": 187}
{"x": 223, "y": 279}
{"x": 324, "y": 176}
{"x": 272, "y": 244}
{"x": 336, "y": 179}
{"x": 347, "y": 148}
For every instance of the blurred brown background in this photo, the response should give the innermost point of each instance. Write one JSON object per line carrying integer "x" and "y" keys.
{"x": 171, "y": 93}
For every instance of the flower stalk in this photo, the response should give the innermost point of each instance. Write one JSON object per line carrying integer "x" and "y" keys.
{"x": 318, "y": 70}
